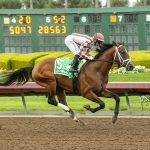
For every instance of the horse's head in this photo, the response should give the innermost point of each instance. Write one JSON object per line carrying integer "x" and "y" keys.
{"x": 121, "y": 57}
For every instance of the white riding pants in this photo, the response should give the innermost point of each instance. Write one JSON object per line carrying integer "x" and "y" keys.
{"x": 72, "y": 45}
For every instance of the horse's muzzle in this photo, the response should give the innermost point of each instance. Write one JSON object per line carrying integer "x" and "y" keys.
{"x": 129, "y": 67}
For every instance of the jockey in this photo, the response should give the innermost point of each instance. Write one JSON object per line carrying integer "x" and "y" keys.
{"x": 79, "y": 42}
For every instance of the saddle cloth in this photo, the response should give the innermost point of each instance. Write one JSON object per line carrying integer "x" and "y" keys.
{"x": 62, "y": 66}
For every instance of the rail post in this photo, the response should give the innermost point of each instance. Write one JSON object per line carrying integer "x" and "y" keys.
{"x": 128, "y": 101}
{"x": 24, "y": 102}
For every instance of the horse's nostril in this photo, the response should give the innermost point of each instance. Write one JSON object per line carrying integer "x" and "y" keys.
{"x": 130, "y": 68}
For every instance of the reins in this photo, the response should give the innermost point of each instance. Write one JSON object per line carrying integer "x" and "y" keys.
{"x": 104, "y": 60}
{"x": 121, "y": 60}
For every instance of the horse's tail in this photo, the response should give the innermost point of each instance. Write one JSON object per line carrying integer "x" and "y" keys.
{"x": 20, "y": 76}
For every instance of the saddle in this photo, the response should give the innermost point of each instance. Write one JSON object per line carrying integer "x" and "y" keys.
{"x": 62, "y": 66}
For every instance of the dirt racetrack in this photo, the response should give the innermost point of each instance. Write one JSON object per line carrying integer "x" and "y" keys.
{"x": 64, "y": 134}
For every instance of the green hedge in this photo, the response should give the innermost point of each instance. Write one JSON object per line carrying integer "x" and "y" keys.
{"x": 53, "y": 55}
{"x": 141, "y": 58}
{"x": 5, "y": 60}
{"x": 25, "y": 60}
{"x": 15, "y": 61}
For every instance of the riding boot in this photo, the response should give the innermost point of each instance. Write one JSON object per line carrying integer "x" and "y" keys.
{"x": 75, "y": 63}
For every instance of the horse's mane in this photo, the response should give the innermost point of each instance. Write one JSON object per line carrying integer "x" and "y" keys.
{"x": 103, "y": 48}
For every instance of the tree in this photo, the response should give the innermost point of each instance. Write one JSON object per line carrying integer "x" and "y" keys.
{"x": 45, "y": 3}
{"x": 37, "y": 3}
{"x": 10, "y": 4}
{"x": 16, "y": 4}
{"x": 83, "y": 3}
{"x": 142, "y": 3}
{"x": 119, "y": 3}
{"x": 56, "y": 3}
{"x": 99, "y": 3}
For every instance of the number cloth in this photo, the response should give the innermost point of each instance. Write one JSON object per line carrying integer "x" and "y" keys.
{"x": 62, "y": 66}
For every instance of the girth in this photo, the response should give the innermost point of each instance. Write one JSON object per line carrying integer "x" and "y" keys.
{"x": 75, "y": 85}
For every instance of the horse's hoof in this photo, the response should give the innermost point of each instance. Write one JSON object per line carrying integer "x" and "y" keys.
{"x": 79, "y": 121}
{"x": 71, "y": 113}
{"x": 82, "y": 123}
{"x": 114, "y": 119}
{"x": 87, "y": 107}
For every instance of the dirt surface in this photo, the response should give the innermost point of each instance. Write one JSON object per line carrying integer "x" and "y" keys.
{"x": 65, "y": 134}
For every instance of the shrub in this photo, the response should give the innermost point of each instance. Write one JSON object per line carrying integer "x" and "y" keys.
{"x": 5, "y": 60}
{"x": 141, "y": 58}
{"x": 15, "y": 61}
{"x": 123, "y": 70}
{"x": 53, "y": 55}
{"x": 25, "y": 60}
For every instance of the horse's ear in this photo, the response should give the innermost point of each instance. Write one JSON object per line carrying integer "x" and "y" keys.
{"x": 121, "y": 43}
{"x": 114, "y": 43}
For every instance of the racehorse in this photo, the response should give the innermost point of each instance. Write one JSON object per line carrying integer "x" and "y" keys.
{"x": 91, "y": 81}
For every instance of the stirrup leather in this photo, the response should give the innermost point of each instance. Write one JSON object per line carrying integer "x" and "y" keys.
{"x": 72, "y": 69}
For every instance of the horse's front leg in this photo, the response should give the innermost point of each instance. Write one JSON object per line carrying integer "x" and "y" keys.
{"x": 93, "y": 97}
{"x": 108, "y": 94}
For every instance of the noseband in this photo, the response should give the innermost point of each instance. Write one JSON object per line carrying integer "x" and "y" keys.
{"x": 121, "y": 60}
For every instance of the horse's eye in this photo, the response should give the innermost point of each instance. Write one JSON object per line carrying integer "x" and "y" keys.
{"x": 123, "y": 53}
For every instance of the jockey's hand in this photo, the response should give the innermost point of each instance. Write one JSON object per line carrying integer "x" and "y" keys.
{"x": 86, "y": 57}
{"x": 89, "y": 57}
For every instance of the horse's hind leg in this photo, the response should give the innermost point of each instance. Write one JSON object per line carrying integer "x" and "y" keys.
{"x": 48, "y": 81}
{"x": 61, "y": 95}
{"x": 63, "y": 103}
{"x": 52, "y": 100}
{"x": 51, "y": 86}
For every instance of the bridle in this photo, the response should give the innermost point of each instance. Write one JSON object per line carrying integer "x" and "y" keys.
{"x": 121, "y": 60}
{"x": 117, "y": 53}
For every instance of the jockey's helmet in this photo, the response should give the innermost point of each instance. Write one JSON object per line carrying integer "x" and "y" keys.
{"x": 99, "y": 37}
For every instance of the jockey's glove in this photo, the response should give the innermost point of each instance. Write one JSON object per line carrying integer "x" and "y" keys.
{"x": 90, "y": 58}
{"x": 86, "y": 57}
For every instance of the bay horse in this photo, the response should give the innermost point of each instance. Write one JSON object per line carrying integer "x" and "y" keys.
{"x": 91, "y": 81}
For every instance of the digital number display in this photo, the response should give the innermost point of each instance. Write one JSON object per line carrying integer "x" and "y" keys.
{"x": 51, "y": 29}
{"x": 56, "y": 19}
{"x": 20, "y": 30}
{"x": 59, "y": 19}
{"x": 53, "y": 25}
{"x": 19, "y": 20}
{"x": 22, "y": 24}
{"x": 24, "y": 19}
